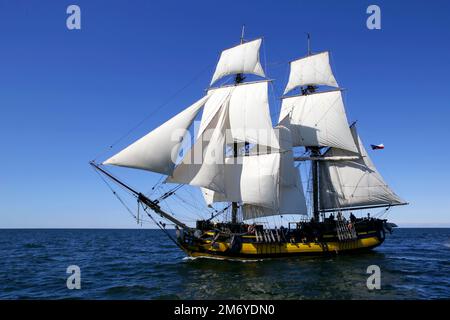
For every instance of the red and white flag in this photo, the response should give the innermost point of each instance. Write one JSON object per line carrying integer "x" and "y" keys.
{"x": 377, "y": 146}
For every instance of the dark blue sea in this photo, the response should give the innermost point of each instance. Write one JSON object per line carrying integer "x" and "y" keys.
{"x": 144, "y": 264}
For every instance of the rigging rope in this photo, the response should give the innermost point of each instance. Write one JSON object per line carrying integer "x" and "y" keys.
{"x": 169, "y": 193}
{"x": 193, "y": 209}
{"x": 156, "y": 185}
{"x": 162, "y": 227}
{"x": 117, "y": 195}
{"x": 159, "y": 224}
{"x": 153, "y": 112}
{"x": 123, "y": 202}
{"x": 197, "y": 76}
{"x": 219, "y": 212}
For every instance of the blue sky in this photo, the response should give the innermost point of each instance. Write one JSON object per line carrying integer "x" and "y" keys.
{"x": 66, "y": 95}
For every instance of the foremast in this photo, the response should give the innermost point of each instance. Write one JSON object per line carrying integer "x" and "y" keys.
{"x": 259, "y": 178}
{"x": 239, "y": 78}
{"x": 314, "y": 152}
{"x": 232, "y": 116}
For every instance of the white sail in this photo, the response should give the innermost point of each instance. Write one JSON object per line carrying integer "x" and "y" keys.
{"x": 217, "y": 99}
{"x": 267, "y": 184}
{"x": 250, "y": 115}
{"x": 243, "y": 58}
{"x": 311, "y": 70}
{"x": 203, "y": 165}
{"x": 354, "y": 183}
{"x": 250, "y": 180}
{"x": 212, "y": 196}
{"x": 243, "y": 115}
{"x": 158, "y": 150}
{"x": 253, "y": 180}
{"x": 248, "y": 112}
{"x": 291, "y": 198}
{"x": 317, "y": 120}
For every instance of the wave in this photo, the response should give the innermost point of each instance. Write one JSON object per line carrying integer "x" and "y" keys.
{"x": 33, "y": 246}
{"x": 134, "y": 289}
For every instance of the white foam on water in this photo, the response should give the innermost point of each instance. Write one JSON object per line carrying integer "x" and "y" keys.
{"x": 189, "y": 258}
{"x": 224, "y": 259}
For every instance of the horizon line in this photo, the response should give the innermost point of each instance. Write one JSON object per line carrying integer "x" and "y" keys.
{"x": 145, "y": 228}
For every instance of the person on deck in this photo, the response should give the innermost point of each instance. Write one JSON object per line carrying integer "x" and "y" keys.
{"x": 283, "y": 233}
{"x": 352, "y": 217}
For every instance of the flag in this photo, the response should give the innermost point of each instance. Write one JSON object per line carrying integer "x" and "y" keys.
{"x": 377, "y": 146}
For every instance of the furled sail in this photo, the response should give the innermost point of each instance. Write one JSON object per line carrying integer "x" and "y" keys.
{"x": 355, "y": 183}
{"x": 317, "y": 120}
{"x": 243, "y": 58}
{"x": 311, "y": 70}
{"x": 158, "y": 150}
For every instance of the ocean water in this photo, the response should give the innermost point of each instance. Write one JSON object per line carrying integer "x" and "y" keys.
{"x": 144, "y": 264}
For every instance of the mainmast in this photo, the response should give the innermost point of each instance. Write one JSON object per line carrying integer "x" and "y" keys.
{"x": 309, "y": 43}
{"x": 238, "y": 79}
{"x": 315, "y": 152}
{"x": 343, "y": 177}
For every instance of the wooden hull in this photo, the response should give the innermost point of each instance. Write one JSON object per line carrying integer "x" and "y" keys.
{"x": 252, "y": 250}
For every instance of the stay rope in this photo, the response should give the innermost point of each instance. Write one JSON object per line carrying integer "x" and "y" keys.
{"x": 117, "y": 195}
{"x": 173, "y": 96}
{"x": 162, "y": 227}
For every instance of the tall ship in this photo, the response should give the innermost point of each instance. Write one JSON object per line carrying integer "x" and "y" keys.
{"x": 247, "y": 169}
